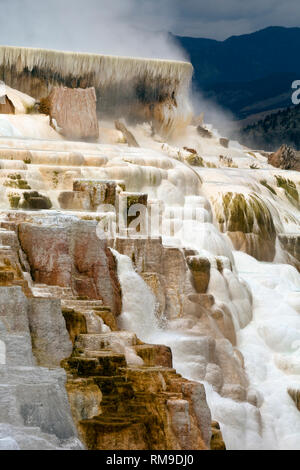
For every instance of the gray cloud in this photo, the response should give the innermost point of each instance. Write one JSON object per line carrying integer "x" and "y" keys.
{"x": 119, "y": 27}
{"x": 135, "y": 27}
{"x": 220, "y": 19}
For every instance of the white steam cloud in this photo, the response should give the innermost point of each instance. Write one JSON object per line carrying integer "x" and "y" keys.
{"x": 98, "y": 26}
{"x": 222, "y": 119}
{"x": 136, "y": 28}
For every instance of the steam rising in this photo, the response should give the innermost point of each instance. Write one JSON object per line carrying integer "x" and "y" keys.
{"x": 98, "y": 26}
{"x": 221, "y": 119}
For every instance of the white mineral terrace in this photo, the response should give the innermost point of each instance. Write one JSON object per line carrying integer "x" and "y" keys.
{"x": 259, "y": 299}
{"x": 104, "y": 67}
{"x": 114, "y": 78}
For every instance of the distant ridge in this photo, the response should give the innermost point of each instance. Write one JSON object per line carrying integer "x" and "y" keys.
{"x": 247, "y": 74}
{"x": 274, "y": 130}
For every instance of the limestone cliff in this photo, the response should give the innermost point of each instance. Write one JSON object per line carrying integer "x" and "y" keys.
{"x": 116, "y": 402}
{"x": 137, "y": 89}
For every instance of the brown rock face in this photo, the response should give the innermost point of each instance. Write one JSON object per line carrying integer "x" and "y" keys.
{"x": 75, "y": 323}
{"x": 11, "y": 273}
{"x": 204, "y": 132}
{"x": 251, "y": 243}
{"x": 130, "y": 139}
{"x": 73, "y": 257}
{"x": 99, "y": 191}
{"x": 115, "y": 403}
{"x": 248, "y": 222}
{"x": 131, "y": 211}
{"x": 216, "y": 442}
{"x": 179, "y": 279}
{"x": 85, "y": 398}
{"x": 74, "y": 200}
{"x": 74, "y": 111}
{"x": 291, "y": 244}
{"x": 32, "y": 200}
{"x": 142, "y": 408}
{"x": 295, "y": 395}
{"x": 200, "y": 268}
{"x": 136, "y": 89}
{"x": 155, "y": 355}
{"x": 47, "y": 249}
{"x": 6, "y": 106}
{"x": 285, "y": 158}
{"x": 89, "y": 194}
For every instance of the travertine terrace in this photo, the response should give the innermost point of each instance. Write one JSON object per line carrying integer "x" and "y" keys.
{"x": 137, "y": 89}
{"x": 153, "y": 339}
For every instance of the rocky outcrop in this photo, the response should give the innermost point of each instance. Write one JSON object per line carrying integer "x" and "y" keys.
{"x": 6, "y": 105}
{"x": 99, "y": 191}
{"x": 200, "y": 268}
{"x": 20, "y": 103}
{"x": 34, "y": 409}
{"x": 163, "y": 268}
{"x": 72, "y": 256}
{"x": 194, "y": 159}
{"x": 138, "y": 89}
{"x": 224, "y": 142}
{"x": 248, "y": 222}
{"x": 88, "y": 195}
{"x": 295, "y": 396}
{"x": 123, "y": 394}
{"x": 132, "y": 205}
{"x": 32, "y": 200}
{"x": 216, "y": 442}
{"x": 74, "y": 111}
{"x": 179, "y": 279}
{"x": 285, "y": 158}
{"x": 155, "y": 355}
{"x": 204, "y": 132}
{"x": 50, "y": 340}
{"x": 148, "y": 407}
{"x": 290, "y": 243}
{"x": 130, "y": 139}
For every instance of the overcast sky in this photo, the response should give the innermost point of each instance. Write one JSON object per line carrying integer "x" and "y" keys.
{"x": 126, "y": 27}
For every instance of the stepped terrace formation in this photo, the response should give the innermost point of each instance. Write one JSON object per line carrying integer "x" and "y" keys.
{"x": 149, "y": 293}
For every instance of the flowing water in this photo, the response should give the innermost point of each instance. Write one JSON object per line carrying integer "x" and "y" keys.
{"x": 264, "y": 302}
{"x": 270, "y": 344}
{"x": 219, "y": 213}
{"x": 138, "y": 306}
